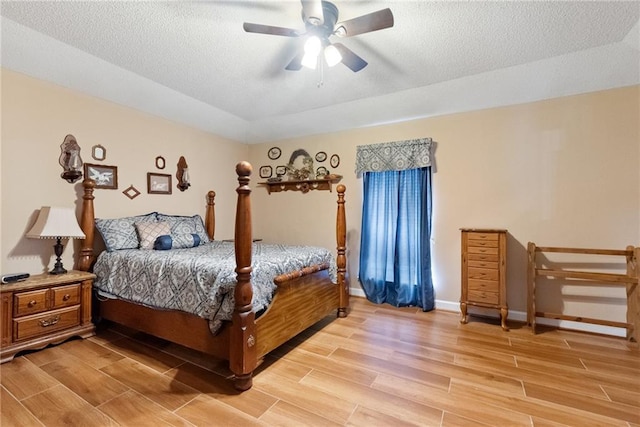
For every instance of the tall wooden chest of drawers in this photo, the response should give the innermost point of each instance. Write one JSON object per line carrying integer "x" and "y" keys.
{"x": 484, "y": 269}
{"x": 44, "y": 309}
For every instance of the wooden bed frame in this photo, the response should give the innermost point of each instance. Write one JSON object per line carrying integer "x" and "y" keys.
{"x": 302, "y": 298}
{"x": 629, "y": 280}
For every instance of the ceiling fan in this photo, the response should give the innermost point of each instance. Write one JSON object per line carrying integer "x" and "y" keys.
{"x": 320, "y": 19}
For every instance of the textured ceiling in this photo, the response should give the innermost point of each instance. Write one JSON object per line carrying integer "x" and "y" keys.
{"x": 191, "y": 62}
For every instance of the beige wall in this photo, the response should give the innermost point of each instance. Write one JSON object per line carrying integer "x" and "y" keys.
{"x": 36, "y": 117}
{"x": 562, "y": 172}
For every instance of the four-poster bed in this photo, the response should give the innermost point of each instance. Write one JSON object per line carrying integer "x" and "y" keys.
{"x": 302, "y": 297}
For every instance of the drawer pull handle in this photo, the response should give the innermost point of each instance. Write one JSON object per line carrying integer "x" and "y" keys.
{"x": 66, "y": 297}
{"x": 32, "y": 303}
{"x": 50, "y": 322}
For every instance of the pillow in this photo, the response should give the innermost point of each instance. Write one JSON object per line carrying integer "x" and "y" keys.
{"x": 180, "y": 241}
{"x": 186, "y": 225}
{"x": 120, "y": 233}
{"x": 149, "y": 231}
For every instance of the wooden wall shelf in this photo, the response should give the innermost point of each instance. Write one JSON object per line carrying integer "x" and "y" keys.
{"x": 303, "y": 186}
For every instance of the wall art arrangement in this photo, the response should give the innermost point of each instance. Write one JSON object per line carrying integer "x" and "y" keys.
{"x": 300, "y": 173}
{"x": 300, "y": 166}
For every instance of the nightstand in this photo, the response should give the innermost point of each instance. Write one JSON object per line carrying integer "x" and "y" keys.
{"x": 44, "y": 309}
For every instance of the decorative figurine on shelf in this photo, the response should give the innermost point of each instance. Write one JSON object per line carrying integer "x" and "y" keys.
{"x": 70, "y": 159}
{"x": 184, "y": 181}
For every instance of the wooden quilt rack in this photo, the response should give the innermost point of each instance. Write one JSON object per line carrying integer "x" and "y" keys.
{"x": 630, "y": 281}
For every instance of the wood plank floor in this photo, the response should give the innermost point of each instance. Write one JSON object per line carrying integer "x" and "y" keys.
{"x": 381, "y": 366}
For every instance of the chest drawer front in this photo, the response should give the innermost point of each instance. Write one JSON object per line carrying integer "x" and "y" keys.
{"x": 65, "y": 296}
{"x": 484, "y": 251}
{"x": 483, "y": 264}
{"x": 483, "y": 273}
{"x": 484, "y": 285}
{"x": 484, "y": 258}
{"x": 483, "y": 297}
{"x": 30, "y": 302}
{"x": 45, "y": 323}
{"x": 482, "y": 236}
{"x": 483, "y": 243}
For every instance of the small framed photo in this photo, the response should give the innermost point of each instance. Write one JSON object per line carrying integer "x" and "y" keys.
{"x": 103, "y": 175}
{"x": 281, "y": 170}
{"x": 334, "y": 161}
{"x": 321, "y": 172}
{"x": 321, "y": 156}
{"x": 98, "y": 152}
{"x": 274, "y": 153}
{"x": 158, "y": 183}
{"x": 266, "y": 172}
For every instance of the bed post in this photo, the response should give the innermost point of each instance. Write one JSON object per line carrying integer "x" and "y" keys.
{"x": 87, "y": 224}
{"x": 242, "y": 352}
{"x": 341, "y": 261}
{"x": 210, "y": 215}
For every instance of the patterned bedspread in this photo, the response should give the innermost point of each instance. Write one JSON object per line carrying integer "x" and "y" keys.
{"x": 200, "y": 280}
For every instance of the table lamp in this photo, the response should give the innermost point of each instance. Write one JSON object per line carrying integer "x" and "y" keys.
{"x": 56, "y": 223}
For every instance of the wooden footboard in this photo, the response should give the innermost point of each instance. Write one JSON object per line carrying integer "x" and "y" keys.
{"x": 301, "y": 299}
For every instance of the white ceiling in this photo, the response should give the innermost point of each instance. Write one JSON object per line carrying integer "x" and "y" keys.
{"x": 191, "y": 61}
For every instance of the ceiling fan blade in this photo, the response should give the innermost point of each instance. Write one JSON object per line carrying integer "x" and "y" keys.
{"x": 268, "y": 29}
{"x": 312, "y": 12}
{"x": 350, "y": 59}
{"x": 365, "y": 24}
{"x": 296, "y": 63}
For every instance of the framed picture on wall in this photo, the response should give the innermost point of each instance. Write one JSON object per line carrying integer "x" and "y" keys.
{"x": 158, "y": 183}
{"x": 103, "y": 175}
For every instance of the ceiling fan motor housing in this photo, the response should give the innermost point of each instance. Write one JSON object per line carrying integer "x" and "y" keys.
{"x": 325, "y": 29}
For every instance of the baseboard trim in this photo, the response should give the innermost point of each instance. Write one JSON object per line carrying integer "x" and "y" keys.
{"x": 521, "y": 316}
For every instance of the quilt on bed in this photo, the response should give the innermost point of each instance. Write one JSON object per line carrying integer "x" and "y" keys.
{"x": 200, "y": 280}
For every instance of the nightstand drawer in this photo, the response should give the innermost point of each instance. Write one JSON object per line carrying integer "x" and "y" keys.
{"x": 45, "y": 323}
{"x": 30, "y": 302}
{"x": 65, "y": 296}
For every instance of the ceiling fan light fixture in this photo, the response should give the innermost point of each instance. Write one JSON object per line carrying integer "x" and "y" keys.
{"x": 332, "y": 55}
{"x": 313, "y": 46}
{"x": 341, "y": 31}
{"x": 310, "y": 60}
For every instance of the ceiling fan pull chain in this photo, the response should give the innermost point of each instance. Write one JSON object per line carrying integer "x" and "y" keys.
{"x": 321, "y": 72}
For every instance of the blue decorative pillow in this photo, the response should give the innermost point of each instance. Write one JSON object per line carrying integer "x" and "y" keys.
{"x": 120, "y": 233}
{"x": 180, "y": 241}
{"x": 186, "y": 225}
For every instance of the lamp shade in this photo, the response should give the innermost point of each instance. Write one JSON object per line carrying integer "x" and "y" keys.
{"x": 54, "y": 222}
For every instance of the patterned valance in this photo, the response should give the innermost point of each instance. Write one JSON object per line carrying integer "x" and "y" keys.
{"x": 394, "y": 156}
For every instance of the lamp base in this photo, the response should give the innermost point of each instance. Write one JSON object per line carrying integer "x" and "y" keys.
{"x": 58, "y": 268}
